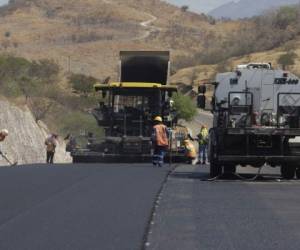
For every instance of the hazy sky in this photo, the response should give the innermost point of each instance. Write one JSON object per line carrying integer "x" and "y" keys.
{"x": 2, "y": 2}
{"x": 200, "y": 5}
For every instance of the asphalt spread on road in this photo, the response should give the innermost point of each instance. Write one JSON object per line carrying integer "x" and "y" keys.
{"x": 77, "y": 207}
{"x": 197, "y": 214}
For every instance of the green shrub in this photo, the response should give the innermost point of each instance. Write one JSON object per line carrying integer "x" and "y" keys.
{"x": 45, "y": 70}
{"x": 10, "y": 89}
{"x": 287, "y": 59}
{"x": 13, "y": 67}
{"x": 82, "y": 83}
{"x": 185, "y": 107}
{"x": 78, "y": 122}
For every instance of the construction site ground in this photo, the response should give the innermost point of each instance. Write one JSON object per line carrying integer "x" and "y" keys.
{"x": 137, "y": 206}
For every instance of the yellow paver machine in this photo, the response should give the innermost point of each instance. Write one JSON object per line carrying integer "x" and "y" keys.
{"x": 127, "y": 110}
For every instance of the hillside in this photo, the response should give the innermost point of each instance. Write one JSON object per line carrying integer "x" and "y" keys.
{"x": 86, "y": 36}
{"x": 25, "y": 142}
{"x": 272, "y": 37}
{"x": 204, "y": 73}
{"x": 45, "y": 45}
{"x": 247, "y": 8}
{"x": 51, "y": 51}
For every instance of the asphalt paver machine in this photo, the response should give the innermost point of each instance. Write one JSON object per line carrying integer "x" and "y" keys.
{"x": 127, "y": 110}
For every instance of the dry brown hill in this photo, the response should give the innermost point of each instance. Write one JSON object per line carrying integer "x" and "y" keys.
{"x": 86, "y": 36}
{"x": 203, "y": 73}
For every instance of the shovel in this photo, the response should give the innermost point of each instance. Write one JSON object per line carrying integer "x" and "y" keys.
{"x": 12, "y": 164}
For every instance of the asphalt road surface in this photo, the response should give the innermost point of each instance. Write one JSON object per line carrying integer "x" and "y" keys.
{"x": 82, "y": 207}
{"x": 194, "y": 213}
{"x": 111, "y": 208}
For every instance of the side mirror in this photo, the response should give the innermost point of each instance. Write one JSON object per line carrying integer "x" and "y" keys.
{"x": 201, "y": 101}
{"x": 202, "y": 89}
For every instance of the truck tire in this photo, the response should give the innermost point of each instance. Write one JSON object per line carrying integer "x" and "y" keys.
{"x": 215, "y": 166}
{"x": 298, "y": 173}
{"x": 229, "y": 169}
{"x": 215, "y": 170}
{"x": 288, "y": 172}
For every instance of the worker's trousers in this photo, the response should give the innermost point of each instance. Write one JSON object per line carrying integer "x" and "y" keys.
{"x": 158, "y": 156}
{"x": 203, "y": 152}
{"x": 50, "y": 157}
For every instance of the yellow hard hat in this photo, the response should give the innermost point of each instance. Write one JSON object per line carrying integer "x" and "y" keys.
{"x": 186, "y": 141}
{"x": 158, "y": 119}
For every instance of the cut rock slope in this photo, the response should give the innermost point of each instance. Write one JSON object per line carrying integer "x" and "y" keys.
{"x": 25, "y": 142}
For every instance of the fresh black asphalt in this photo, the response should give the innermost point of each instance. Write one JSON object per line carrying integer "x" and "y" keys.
{"x": 109, "y": 207}
{"x": 77, "y": 207}
{"x": 194, "y": 214}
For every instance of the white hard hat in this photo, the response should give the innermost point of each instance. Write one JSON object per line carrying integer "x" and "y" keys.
{"x": 4, "y": 132}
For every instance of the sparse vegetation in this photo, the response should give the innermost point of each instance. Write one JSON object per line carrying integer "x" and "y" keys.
{"x": 260, "y": 33}
{"x": 38, "y": 83}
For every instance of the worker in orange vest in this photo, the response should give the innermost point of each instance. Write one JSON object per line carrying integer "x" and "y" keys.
{"x": 190, "y": 151}
{"x": 160, "y": 141}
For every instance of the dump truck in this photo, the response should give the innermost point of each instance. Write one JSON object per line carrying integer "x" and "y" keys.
{"x": 255, "y": 119}
{"x": 127, "y": 109}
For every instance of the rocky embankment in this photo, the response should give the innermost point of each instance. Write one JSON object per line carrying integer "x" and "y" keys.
{"x": 25, "y": 142}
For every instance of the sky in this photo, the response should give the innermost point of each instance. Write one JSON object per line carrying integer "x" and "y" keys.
{"x": 202, "y": 6}
{"x": 2, "y": 2}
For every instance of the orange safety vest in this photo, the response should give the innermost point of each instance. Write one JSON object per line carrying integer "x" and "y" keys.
{"x": 190, "y": 151}
{"x": 161, "y": 135}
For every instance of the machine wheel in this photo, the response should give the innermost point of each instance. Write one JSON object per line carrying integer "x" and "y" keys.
{"x": 215, "y": 166}
{"x": 298, "y": 173}
{"x": 288, "y": 172}
{"x": 215, "y": 169}
{"x": 229, "y": 169}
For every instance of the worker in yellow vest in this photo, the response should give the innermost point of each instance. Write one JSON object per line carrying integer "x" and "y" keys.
{"x": 190, "y": 151}
{"x": 203, "y": 138}
{"x": 160, "y": 141}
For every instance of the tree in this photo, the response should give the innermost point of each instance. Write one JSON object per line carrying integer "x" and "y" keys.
{"x": 185, "y": 107}
{"x": 184, "y": 8}
{"x": 82, "y": 83}
{"x": 287, "y": 59}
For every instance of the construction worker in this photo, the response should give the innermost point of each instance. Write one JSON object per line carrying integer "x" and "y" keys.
{"x": 3, "y": 134}
{"x": 190, "y": 151}
{"x": 203, "y": 144}
{"x": 71, "y": 143}
{"x": 51, "y": 144}
{"x": 160, "y": 141}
